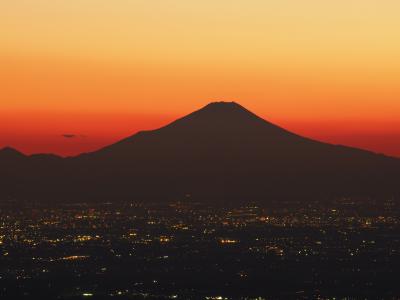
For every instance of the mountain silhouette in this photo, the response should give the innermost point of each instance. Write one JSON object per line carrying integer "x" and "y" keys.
{"x": 222, "y": 152}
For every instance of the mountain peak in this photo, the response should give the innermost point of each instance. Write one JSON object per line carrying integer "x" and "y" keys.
{"x": 222, "y": 106}
{"x": 228, "y": 113}
{"x": 223, "y": 109}
{"x": 217, "y": 116}
{"x": 221, "y": 120}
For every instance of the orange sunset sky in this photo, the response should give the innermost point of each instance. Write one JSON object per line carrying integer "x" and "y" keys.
{"x": 101, "y": 70}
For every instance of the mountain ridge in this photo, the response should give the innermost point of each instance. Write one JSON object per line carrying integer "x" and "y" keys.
{"x": 212, "y": 106}
{"x": 220, "y": 151}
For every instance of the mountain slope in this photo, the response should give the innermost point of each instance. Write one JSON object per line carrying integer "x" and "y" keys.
{"x": 222, "y": 151}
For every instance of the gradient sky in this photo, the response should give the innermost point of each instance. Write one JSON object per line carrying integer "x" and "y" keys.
{"x": 101, "y": 70}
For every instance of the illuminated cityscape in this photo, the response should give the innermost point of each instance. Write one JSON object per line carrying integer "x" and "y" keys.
{"x": 189, "y": 250}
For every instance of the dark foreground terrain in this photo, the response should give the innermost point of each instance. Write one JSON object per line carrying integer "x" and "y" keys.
{"x": 184, "y": 250}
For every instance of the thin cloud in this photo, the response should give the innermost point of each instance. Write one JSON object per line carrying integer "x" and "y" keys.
{"x": 73, "y": 136}
{"x": 69, "y": 136}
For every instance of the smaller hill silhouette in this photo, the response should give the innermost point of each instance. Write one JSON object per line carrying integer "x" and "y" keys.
{"x": 10, "y": 153}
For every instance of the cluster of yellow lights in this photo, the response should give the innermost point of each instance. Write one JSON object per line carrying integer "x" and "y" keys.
{"x": 54, "y": 241}
{"x": 164, "y": 239}
{"x": 74, "y": 257}
{"x": 228, "y": 241}
{"x": 85, "y": 238}
{"x": 275, "y": 249}
{"x": 181, "y": 227}
{"x": 49, "y": 223}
